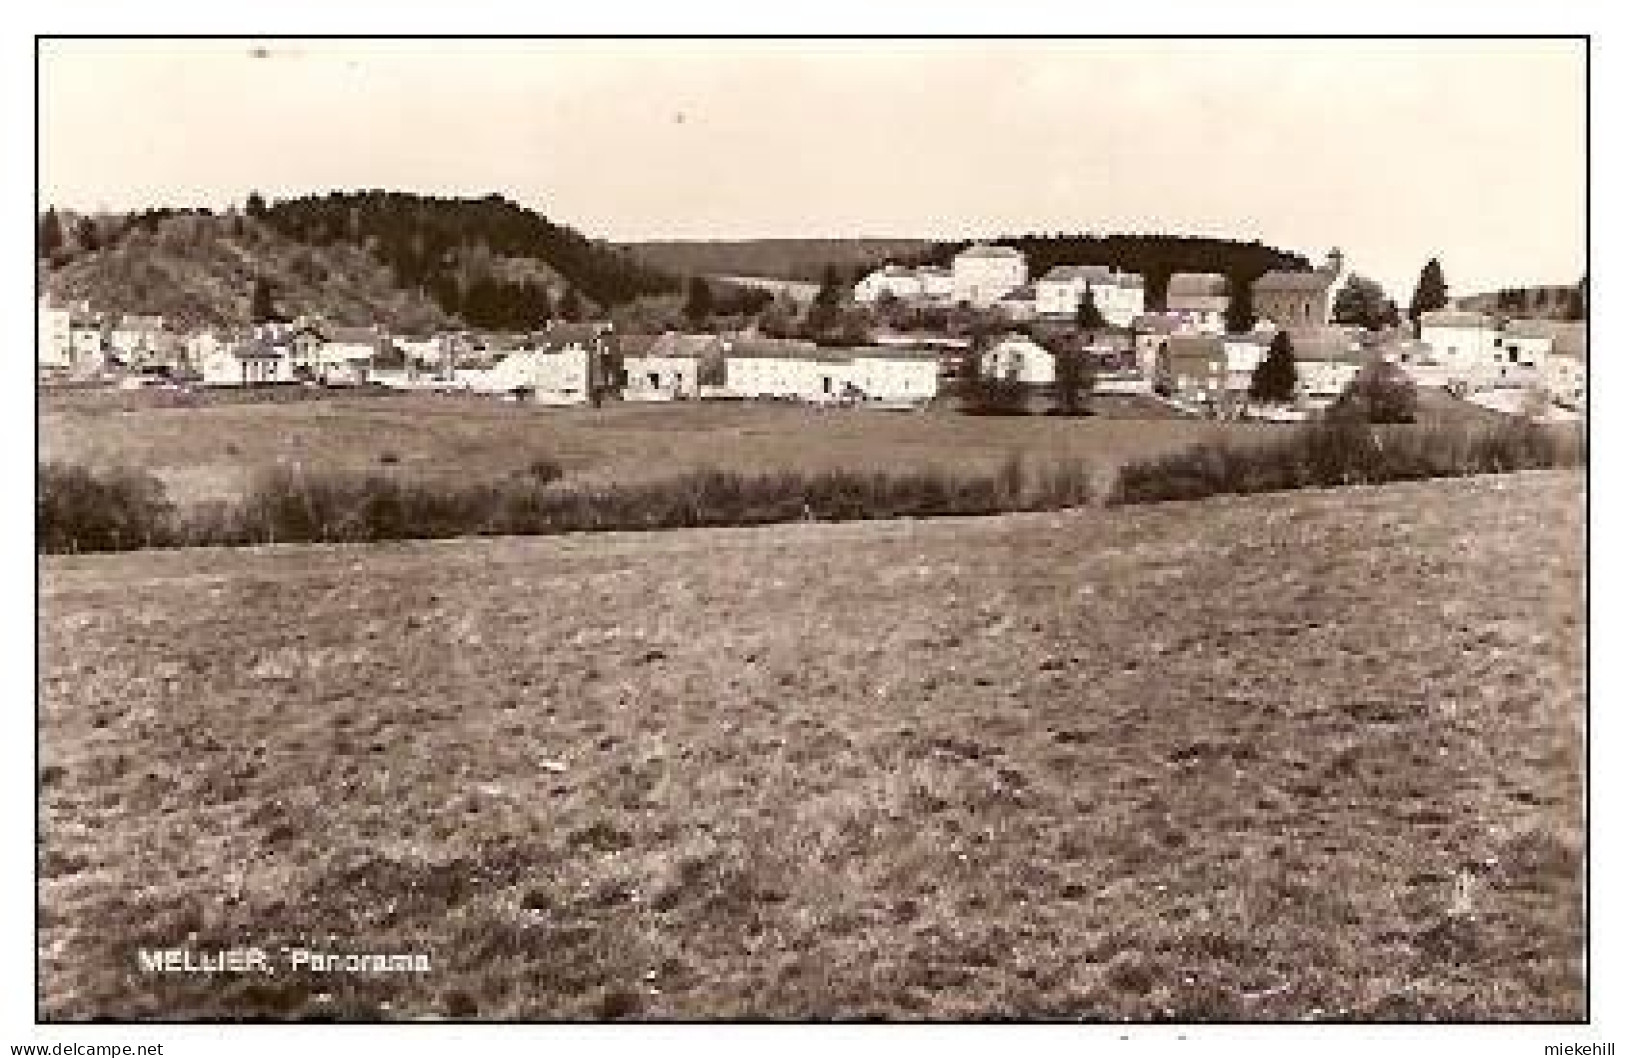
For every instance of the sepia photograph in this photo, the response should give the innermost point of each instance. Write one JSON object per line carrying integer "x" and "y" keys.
{"x": 812, "y": 529}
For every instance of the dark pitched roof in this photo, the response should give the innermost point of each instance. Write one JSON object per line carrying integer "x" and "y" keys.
{"x": 1280, "y": 282}
{"x": 758, "y": 347}
{"x": 563, "y": 335}
{"x": 350, "y": 335}
{"x": 1452, "y": 318}
{"x": 984, "y": 250}
{"x": 1196, "y": 284}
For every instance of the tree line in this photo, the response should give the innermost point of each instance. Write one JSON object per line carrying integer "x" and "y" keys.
{"x": 431, "y": 243}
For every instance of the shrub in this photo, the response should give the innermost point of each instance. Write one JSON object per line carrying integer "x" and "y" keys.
{"x": 288, "y": 504}
{"x": 116, "y": 509}
{"x": 1344, "y": 452}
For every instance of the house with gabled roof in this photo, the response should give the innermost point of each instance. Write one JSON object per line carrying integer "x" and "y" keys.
{"x": 248, "y": 362}
{"x": 669, "y": 366}
{"x": 983, "y": 274}
{"x": 1120, "y": 296}
{"x": 1199, "y": 300}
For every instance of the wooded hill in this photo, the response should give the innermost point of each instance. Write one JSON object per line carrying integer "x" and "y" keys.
{"x": 412, "y": 262}
{"x": 1544, "y": 302}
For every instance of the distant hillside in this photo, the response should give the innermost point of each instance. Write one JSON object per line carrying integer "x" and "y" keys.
{"x": 435, "y": 244}
{"x": 1154, "y": 256}
{"x": 200, "y": 270}
{"x": 801, "y": 259}
{"x": 1542, "y": 302}
{"x": 409, "y": 261}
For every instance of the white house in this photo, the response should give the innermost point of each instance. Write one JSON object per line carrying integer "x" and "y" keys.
{"x": 1018, "y": 358}
{"x": 784, "y": 369}
{"x": 561, "y": 366}
{"x": 778, "y": 369}
{"x": 668, "y": 367}
{"x": 1466, "y": 344}
{"x": 135, "y": 337}
{"x": 1526, "y": 345}
{"x": 1020, "y": 304}
{"x": 1199, "y": 300}
{"x": 336, "y": 356}
{"x": 248, "y": 363}
{"x": 895, "y": 280}
{"x": 1328, "y": 359}
{"x": 983, "y": 274}
{"x": 55, "y": 338}
{"x": 896, "y": 376}
{"x": 1120, "y": 296}
{"x": 936, "y": 282}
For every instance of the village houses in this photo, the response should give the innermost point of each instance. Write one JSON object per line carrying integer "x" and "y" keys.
{"x": 1120, "y": 296}
{"x": 785, "y": 369}
{"x": 983, "y": 274}
{"x": 1199, "y": 301}
{"x": 669, "y": 366}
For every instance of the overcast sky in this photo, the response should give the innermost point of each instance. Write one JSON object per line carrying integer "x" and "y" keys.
{"x": 1396, "y": 151}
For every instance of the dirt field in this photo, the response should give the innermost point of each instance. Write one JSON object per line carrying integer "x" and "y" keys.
{"x": 1311, "y": 755}
{"x": 213, "y": 451}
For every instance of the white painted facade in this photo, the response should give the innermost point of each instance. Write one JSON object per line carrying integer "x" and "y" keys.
{"x": 554, "y": 378}
{"x": 894, "y": 377}
{"x": 901, "y": 283}
{"x": 1120, "y": 296}
{"x": 246, "y": 366}
{"x": 659, "y": 377}
{"x": 1465, "y": 344}
{"x": 815, "y": 378}
{"x": 983, "y": 274}
{"x": 1021, "y": 359}
{"x": 55, "y": 351}
{"x": 1564, "y": 377}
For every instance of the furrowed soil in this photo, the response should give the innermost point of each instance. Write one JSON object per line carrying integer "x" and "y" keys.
{"x": 1311, "y": 755}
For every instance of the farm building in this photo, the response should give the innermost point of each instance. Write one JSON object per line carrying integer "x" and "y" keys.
{"x": 1194, "y": 368}
{"x": 1120, "y": 296}
{"x": 252, "y": 362}
{"x": 1466, "y": 344}
{"x": 892, "y": 280}
{"x": 983, "y": 274}
{"x": 779, "y": 369}
{"x": 1017, "y": 357}
{"x": 55, "y": 338}
{"x": 1199, "y": 300}
{"x": 1328, "y": 359}
{"x": 669, "y": 367}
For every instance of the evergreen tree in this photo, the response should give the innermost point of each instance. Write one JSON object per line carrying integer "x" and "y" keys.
{"x": 84, "y": 233}
{"x": 1089, "y": 316}
{"x": 1074, "y": 381}
{"x": 262, "y": 307}
{"x": 50, "y": 234}
{"x": 1275, "y": 381}
{"x": 570, "y": 307}
{"x": 1239, "y": 315}
{"x": 1575, "y": 309}
{"x": 700, "y": 304}
{"x": 1431, "y": 292}
{"x": 256, "y": 206}
{"x": 824, "y": 315}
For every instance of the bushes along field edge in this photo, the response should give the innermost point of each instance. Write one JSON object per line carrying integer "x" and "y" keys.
{"x": 120, "y": 509}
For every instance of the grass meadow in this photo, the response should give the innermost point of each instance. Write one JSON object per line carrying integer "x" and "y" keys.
{"x": 1306, "y": 755}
